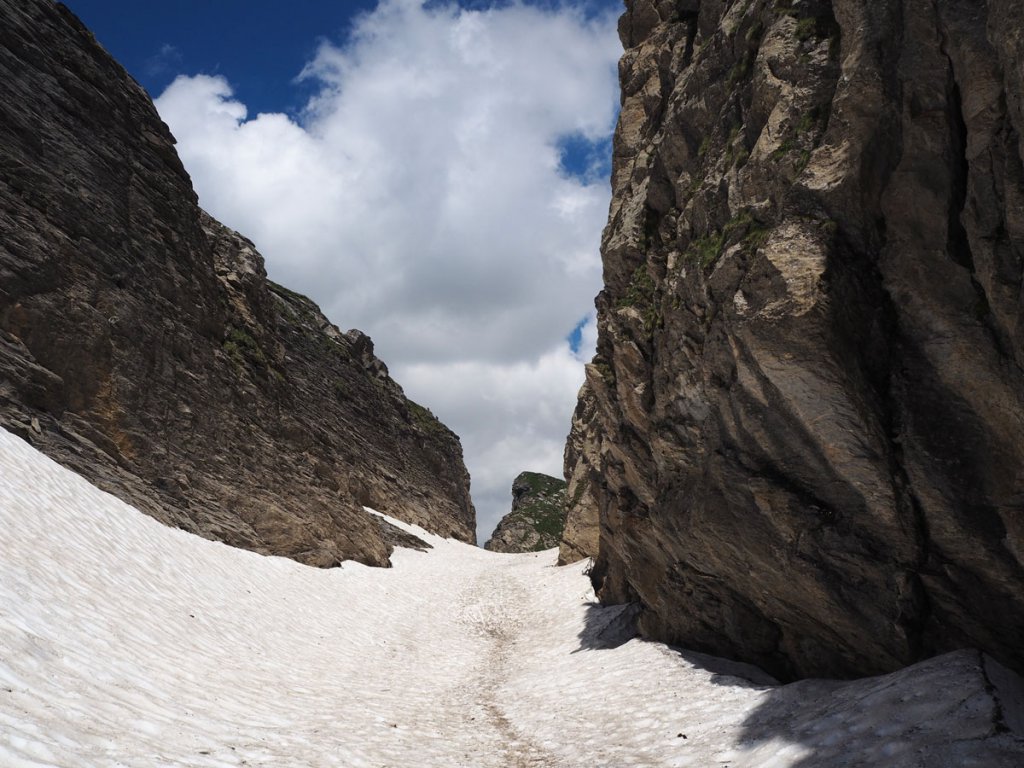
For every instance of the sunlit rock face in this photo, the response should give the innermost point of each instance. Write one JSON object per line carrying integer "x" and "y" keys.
{"x": 142, "y": 345}
{"x": 582, "y": 466}
{"x": 807, "y": 434}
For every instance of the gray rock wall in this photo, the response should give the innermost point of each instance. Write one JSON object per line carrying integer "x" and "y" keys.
{"x": 142, "y": 345}
{"x": 808, "y": 441}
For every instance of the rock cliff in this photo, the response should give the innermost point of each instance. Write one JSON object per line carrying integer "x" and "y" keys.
{"x": 537, "y": 517}
{"x": 142, "y": 345}
{"x": 803, "y": 430}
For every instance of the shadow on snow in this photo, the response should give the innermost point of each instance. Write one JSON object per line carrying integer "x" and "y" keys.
{"x": 940, "y": 712}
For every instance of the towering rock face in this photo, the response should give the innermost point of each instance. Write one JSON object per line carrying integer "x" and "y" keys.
{"x": 142, "y": 345}
{"x": 808, "y": 437}
{"x": 537, "y": 517}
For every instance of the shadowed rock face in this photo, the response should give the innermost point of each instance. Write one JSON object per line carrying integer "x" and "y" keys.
{"x": 807, "y": 432}
{"x": 142, "y": 345}
{"x": 537, "y": 517}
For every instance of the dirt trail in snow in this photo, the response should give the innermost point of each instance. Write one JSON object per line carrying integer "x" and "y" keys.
{"x": 492, "y": 608}
{"x": 488, "y": 612}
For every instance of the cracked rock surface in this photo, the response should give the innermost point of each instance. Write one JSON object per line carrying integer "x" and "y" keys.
{"x": 801, "y": 438}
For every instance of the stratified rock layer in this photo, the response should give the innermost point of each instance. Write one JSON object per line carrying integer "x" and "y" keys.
{"x": 808, "y": 440}
{"x": 537, "y": 517}
{"x": 142, "y": 345}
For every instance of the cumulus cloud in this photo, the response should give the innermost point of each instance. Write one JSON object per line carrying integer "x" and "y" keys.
{"x": 431, "y": 194}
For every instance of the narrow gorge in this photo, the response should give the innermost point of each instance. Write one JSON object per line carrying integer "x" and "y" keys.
{"x": 791, "y": 529}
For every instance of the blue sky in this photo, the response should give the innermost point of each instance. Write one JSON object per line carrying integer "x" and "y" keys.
{"x": 259, "y": 46}
{"x": 431, "y": 173}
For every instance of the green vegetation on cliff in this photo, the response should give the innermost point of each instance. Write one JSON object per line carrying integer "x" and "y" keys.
{"x": 537, "y": 518}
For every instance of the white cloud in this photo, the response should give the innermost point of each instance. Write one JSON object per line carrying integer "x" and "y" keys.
{"x": 421, "y": 197}
{"x": 519, "y": 415}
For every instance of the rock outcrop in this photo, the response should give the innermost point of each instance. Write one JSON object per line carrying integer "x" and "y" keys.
{"x": 142, "y": 345}
{"x": 537, "y": 517}
{"x": 808, "y": 437}
{"x": 581, "y": 535}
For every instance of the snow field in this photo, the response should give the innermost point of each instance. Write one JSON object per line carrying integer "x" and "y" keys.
{"x": 126, "y": 643}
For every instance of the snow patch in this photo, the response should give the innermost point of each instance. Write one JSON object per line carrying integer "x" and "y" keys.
{"x": 126, "y": 643}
